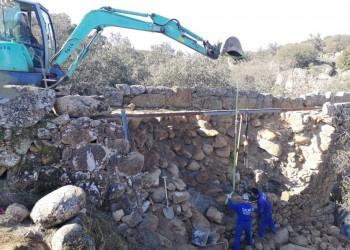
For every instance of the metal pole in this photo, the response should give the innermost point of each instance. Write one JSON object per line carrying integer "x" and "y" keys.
{"x": 125, "y": 125}
{"x": 212, "y": 112}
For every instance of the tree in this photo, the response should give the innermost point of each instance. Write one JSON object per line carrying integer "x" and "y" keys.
{"x": 343, "y": 61}
{"x": 63, "y": 27}
{"x": 189, "y": 70}
{"x": 317, "y": 42}
{"x": 336, "y": 43}
{"x": 272, "y": 48}
{"x": 112, "y": 61}
{"x": 9, "y": 3}
{"x": 296, "y": 55}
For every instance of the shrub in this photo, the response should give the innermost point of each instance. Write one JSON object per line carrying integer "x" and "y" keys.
{"x": 255, "y": 75}
{"x": 340, "y": 159}
{"x": 343, "y": 61}
{"x": 191, "y": 70}
{"x": 338, "y": 84}
{"x": 317, "y": 42}
{"x": 296, "y": 55}
{"x": 336, "y": 43}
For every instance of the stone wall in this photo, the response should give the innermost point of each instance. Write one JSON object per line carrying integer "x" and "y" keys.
{"x": 142, "y": 97}
{"x": 286, "y": 154}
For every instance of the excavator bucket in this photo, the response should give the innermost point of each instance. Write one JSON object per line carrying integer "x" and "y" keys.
{"x": 232, "y": 46}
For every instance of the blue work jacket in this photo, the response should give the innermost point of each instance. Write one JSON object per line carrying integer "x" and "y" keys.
{"x": 243, "y": 210}
{"x": 264, "y": 206}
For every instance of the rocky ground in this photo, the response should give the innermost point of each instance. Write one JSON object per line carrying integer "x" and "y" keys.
{"x": 107, "y": 192}
{"x": 58, "y": 221}
{"x": 24, "y": 235}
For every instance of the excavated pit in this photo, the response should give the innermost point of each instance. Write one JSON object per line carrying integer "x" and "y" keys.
{"x": 119, "y": 160}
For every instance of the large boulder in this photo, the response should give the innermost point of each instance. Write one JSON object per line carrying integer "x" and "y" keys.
{"x": 26, "y": 110}
{"x": 71, "y": 236}
{"x": 76, "y": 106}
{"x": 130, "y": 164}
{"x": 58, "y": 206}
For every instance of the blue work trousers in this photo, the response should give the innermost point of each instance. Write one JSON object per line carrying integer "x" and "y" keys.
{"x": 240, "y": 227}
{"x": 266, "y": 221}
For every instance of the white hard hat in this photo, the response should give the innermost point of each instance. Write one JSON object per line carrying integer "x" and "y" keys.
{"x": 245, "y": 197}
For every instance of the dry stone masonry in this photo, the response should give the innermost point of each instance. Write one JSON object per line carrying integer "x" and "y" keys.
{"x": 72, "y": 149}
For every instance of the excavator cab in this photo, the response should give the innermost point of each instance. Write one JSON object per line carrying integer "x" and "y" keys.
{"x": 27, "y": 41}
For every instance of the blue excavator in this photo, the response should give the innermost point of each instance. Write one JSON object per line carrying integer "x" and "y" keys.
{"x": 28, "y": 46}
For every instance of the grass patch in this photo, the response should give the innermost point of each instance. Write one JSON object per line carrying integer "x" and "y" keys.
{"x": 101, "y": 226}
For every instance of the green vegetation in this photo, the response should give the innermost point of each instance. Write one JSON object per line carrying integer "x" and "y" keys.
{"x": 114, "y": 60}
{"x": 1, "y": 135}
{"x": 101, "y": 227}
{"x": 334, "y": 44}
{"x": 343, "y": 61}
{"x": 341, "y": 158}
{"x": 297, "y": 55}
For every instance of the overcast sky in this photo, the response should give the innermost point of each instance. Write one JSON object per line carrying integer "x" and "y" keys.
{"x": 256, "y": 23}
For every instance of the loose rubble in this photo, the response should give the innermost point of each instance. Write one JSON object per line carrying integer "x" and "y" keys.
{"x": 86, "y": 161}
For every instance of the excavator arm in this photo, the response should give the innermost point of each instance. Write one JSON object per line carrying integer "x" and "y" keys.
{"x": 106, "y": 17}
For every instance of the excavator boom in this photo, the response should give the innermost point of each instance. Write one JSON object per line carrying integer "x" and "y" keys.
{"x": 107, "y": 17}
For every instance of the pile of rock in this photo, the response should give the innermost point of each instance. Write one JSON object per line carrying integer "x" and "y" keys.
{"x": 315, "y": 235}
{"x": 61, "y": 212}
{"x": 52, "y": 211}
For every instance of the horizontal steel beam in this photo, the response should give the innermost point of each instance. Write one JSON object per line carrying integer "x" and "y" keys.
{"x": 209, "y": 112}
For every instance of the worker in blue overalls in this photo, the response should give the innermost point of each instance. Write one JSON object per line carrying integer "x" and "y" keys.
{"x": 264, "y": 210}
{"x": 244, "y": 212}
